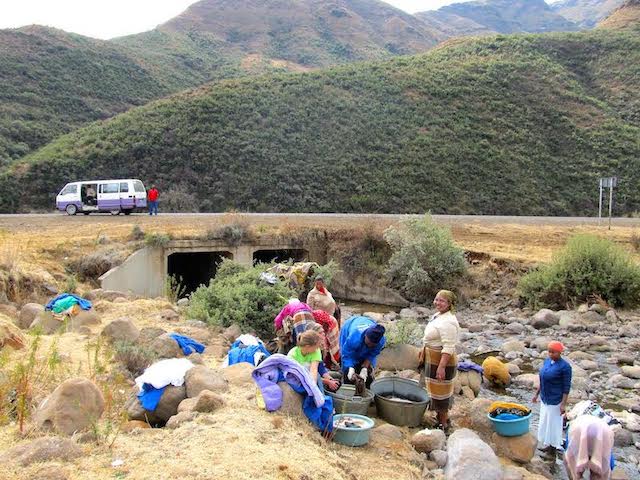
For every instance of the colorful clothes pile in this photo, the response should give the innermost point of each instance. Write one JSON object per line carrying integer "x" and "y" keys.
{"x": 67, "y": 303}
{"x": 508, "y": 411}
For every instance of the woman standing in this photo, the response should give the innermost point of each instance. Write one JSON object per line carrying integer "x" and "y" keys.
{"x": 320, "y": 298}
{"x": 555, "y": 384}
{"x": 439, "y": 355}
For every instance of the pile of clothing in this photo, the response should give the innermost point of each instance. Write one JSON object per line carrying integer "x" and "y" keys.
{"x": 157, "y": 377}
{"x": 589, "y": 407}
{"x": 298, "y": 275}
{"x": 469, "y": 366}
{"x": 317, "y": 407}
{"x": 187, "y": 344}
{"x": 246, "y": 349}
{"x": 496, "y": 372}
{"x": 67, "y": 304}
{"x": 508, "y": 411}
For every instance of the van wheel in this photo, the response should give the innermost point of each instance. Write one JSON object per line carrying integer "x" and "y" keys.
{"x": 115, "y": 212}
{"x": 71, "y": 209}
{"x": 127, "y": 212}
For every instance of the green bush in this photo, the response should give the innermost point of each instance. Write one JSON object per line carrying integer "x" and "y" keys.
{"x": 133, "y": 357}
{"x": 157, "y": 239}
{"x": 237, "y": 295}
{"x": 404, "y": 331}
{"x": 424, "y": 260}
{"x": 587, "y": 268}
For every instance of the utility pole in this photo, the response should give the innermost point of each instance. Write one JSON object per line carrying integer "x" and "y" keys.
{"x": 600, "y": 204}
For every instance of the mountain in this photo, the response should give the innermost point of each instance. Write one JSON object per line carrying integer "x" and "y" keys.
{"x": 52, "y": 82}
{"x": 512, "y": 16}
{"x": 448, "y": 25}
{"x": 586, "y": 13}
{"x": 521, "y": 124}
{"x": 627, "y": 17}
{"x": 307, "y": 33}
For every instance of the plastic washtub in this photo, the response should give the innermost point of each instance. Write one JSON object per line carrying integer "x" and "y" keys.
{"x": 401, "y": 413}
{"x": 345, "y": 401}
{"x": 352, "y": 437}
{"x": 511, "y": 428}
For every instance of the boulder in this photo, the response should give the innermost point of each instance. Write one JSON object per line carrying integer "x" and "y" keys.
{"x": 620, "y": 381}
{"x": 84, "y": 318}
{"x": 515, "y": 327}
{"x": 567, "y": 318}
{"x": 426, "y": 440}
{"x": 10, "y": 334}
{"x": 166, "y": 347}
{"x": 631, "y": 371}
{"x": 386, "y": 434}
{"x": 471, "y": 379}
{"x": 46, "y": 323}
{"x": 73, "y": 406}
{"x": 180, "y": 418}
{"x": 168, "y": 315}
{"x": 622, "y": 437}
{"x": 612, "y": 317}
{"x": 513, "y": 346}
{"x": 540, "y": 343}
{"x": 28, "y": 314}
{"x": 496, "y": 372}
{"x": 514, "y": 369}
{"x": 591, "y": 317}
{"x": 167, "y": 407}
{"x": 398, "y": 357}
{"x": 588, "y": 365}
{"x": 469, "y": 458}
{"x": 519, "y": 449}
{"x": 598, "y": 308}
{"x": 149, "y": 334}
{"x": 529, "y": 380}
{"x": 121, "y": 330}
{"x": 205, "y": 402}
{"x": 474, "y": 416}
{"x": 201, "y": 378}
{"x": 545, "y": 318}
{"x": 291, "y": 400}
{"x": 232, "y": 332}
{"x": 629, "y": 420}
{"x": 239, "y": 374}
{"x": 43, "y": 450}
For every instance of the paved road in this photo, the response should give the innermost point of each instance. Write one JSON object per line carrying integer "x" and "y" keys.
{"x": 310, "y": 218}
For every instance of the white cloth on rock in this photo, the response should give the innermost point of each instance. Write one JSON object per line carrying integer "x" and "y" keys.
{"x": 165, "y": 372}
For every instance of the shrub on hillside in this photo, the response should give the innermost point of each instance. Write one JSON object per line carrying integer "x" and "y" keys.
{"x": 588, "y": 267}
{"x": 424, "y": 260}
{"x": 238, "y": 295}
{"x": 95, "y": 264}
{"x": 232, "y": 234}
{"x": 157, "y": 239}
{"x": 404, "y": 331}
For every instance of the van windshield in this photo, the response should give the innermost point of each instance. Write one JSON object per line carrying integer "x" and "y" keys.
{"x": 138, "y": 186}
{"x": 69, "y": 189}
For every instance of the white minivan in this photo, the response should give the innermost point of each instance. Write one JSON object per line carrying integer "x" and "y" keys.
{"x": 115, "y": 196}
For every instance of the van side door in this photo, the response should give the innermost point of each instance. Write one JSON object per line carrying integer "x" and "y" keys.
{"x": 109, "y": 196}
{"x": 127, "y": 195}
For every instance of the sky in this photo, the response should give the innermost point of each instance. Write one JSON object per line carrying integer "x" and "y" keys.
{"x": 115, "y": 18}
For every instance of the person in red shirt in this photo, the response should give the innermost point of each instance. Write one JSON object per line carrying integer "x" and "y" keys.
{"x": 152, "y": 200}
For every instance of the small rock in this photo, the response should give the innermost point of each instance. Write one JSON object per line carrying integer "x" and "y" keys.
{"x": 620, "y": 381}
{"x": 46, "y": 323}
{"x": 545, "y": 318}
{"x": 513, "y": 346}
{"x": 625, "y": 359}
{"x": 631, "y": 371}
{"x": 622, "y": 437}
{"x": 149, "y": 334}
{"x": 591, "y": 318}
{"x": 28, "y": 314}
{"x": 121, "y": 330}
{"x": 386, "y": 434}
{"x": 167, "y": 407}
{"x": 612, "y": 317}
{"x": 427, "y": 440}
{"x": 180, "y": 418}
{"x": 529, "y": 380}
{"x": 205, "y": 402}
{"x": 600, "y": 309}
{"x": 61, "y": 410}
{"x": 43, "y": 450}
{"x": 515, "y": 327}
{"x": 439, "y": 457}
{"x": 169, "y": 315}
{"x": 291, "y": 400}
{"x": 471, "y": 379}
{"x": 513, "y": 369}
{"x": 588, "y": 365}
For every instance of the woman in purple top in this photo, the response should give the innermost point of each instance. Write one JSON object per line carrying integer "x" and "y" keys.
{"x": 555, "y": 384}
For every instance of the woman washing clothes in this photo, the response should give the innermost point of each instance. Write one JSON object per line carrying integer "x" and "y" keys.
{"x": 589, "y": 449}
{"x": 441, "y": 336}
{"x": 555, "y": 384}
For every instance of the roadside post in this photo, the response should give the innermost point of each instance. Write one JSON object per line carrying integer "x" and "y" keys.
{"x": 610, "y": 183}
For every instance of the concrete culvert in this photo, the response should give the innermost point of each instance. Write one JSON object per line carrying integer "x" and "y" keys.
{"x": 193, "y": 269}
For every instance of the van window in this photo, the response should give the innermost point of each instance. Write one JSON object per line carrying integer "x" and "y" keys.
{"x": 124, "y": 187}
{"x": 138, "y": 187}
{"x": 69, "y": 189}
{"x": 109, "y": 188}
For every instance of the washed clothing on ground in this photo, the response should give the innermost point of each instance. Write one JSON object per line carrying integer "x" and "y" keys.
{"x": 246, "y": 349}
{"x": 468, "y": 366}
{"x": 353, "y": 348}
{"x": 65, "y": 301}
{"x": 187, "y": 344}
{"x": 155, "y": 378}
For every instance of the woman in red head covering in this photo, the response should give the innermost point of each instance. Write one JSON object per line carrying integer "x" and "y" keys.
{"x": 555, "y": 383}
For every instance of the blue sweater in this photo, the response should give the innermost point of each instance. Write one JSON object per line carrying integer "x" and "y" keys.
{"x": 353, "y": 349}
{"x": 555, "y": 380}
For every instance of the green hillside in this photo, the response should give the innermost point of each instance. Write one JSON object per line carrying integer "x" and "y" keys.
{"x": 521, "y": 124}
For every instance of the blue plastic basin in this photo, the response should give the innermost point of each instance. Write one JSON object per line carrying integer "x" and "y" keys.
{"x": 511, "y": 428}
{"x": 352, "y": 437}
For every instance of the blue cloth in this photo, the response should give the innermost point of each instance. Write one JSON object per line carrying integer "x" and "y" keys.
{"x": 321, "y": 417}
{"x": 240, "y": 353}
{"x": 150, "y": 396}
{"x": 187, "y": 344}
{"x": 84, "y": 303}
{"x": 353, "y": 348}
{"x": 467, "y": 366}
{"x": 508, "y": 416}
{"x": 555, "y": 380}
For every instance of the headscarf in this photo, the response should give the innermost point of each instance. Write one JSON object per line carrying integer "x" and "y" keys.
{"x": 375, "y": 333}
{"x": 556, "y": 346}
{"x": 450, "y": 297}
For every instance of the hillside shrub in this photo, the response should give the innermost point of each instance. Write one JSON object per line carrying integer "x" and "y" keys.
{"x": 586, "y": 268}
{"x": 95, "y": 264}
{"x": 424, "y": 260}
{"x": 238, "y": 295}
{"x": 157, "y": 239}
{"x": 405, "y": 331}
{"x": 232, "y": 234}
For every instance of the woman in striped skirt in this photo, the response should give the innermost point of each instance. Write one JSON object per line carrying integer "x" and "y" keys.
{"x": 439, "y": 354}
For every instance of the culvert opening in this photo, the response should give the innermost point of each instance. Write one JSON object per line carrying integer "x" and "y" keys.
{"x": 283, "y": 255}
{"x": 193, "y": 269}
